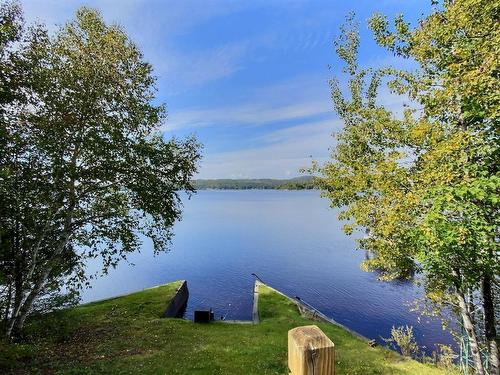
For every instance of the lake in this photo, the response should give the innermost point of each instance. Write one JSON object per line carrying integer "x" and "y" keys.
{"x": 293, "y": 241}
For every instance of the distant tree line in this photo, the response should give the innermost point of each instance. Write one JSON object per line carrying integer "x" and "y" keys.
{"x": 299, "y": 183}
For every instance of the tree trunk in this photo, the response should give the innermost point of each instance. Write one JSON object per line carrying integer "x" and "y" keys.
{"x": 471, "y": 333}
{"x": 18, "y": 323}
{"x": 7, "y": 306}
{"x": 12, "y": 321}
{"x": 18, "y": 282}
{"x": 21, "y": 312}
{"x": 489, "y": 325}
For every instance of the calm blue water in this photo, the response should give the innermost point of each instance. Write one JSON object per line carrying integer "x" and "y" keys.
{"x": 293, "y": 241}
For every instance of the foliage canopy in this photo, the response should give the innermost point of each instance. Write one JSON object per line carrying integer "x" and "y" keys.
{"x": 423, "y": 181}
{"x": 84, "y": 170}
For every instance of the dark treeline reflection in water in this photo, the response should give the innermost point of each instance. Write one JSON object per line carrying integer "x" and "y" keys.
{"x": 293, "y": 241}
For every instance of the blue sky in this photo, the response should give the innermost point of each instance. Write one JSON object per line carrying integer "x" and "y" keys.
{"x": 248, "y": 78}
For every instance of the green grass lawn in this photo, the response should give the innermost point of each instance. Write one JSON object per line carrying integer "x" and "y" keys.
{"x": 126, "y": 335}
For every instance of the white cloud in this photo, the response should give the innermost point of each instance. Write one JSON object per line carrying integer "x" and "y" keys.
{"x": 282, "y": 152}
{"x": 139, "y": 16}
{"x": 246, "y": 114}
{"x": 154, "y": 25}
{"x": 282, "y": 155}
{"x": 289, "y": 100}
{"x": 202, "y": 66}
{"x": 302, "y": 131}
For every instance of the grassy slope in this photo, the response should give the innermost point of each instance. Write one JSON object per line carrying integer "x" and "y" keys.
{"x": 127, "y": 335}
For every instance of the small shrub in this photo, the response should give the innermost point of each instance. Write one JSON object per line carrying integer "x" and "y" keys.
{"x": 402, "y": 338}
{"x": 445, "y": 356}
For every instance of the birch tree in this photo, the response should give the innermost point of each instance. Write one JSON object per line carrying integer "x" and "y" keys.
{"x": 423, "y": 182}
{"x": 84, "y": 170}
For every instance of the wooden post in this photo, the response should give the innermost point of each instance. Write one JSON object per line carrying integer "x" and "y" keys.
{"x": 310, "y": 352}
